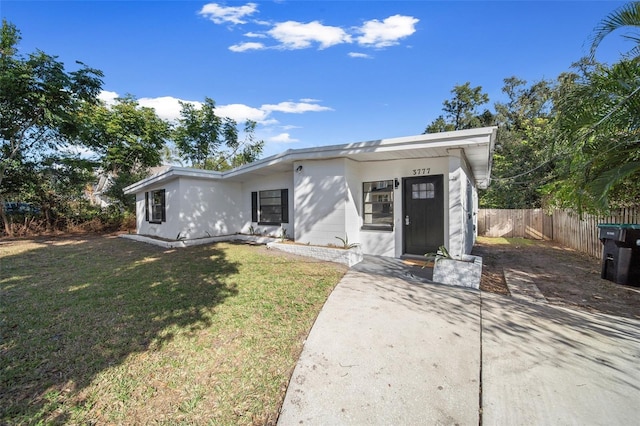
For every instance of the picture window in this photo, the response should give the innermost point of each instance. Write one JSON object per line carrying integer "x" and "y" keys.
{"x": 378, "y": 205}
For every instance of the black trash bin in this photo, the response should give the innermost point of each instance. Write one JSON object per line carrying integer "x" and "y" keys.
{"x": 620, "y": 253}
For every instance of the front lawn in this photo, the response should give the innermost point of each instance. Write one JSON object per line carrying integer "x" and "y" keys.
{"x": 102, "y": 330}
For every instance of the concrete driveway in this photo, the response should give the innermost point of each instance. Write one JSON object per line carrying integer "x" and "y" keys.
{"x": 390, "y": 348}
{"x": 548, "y": 365}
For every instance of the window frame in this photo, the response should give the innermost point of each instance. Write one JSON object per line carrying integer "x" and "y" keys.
{"x": 423, "y": 191}
{"x": 155, "y": 206}
{"x": 388, "y": 185}
{"x": 257, "y": 206}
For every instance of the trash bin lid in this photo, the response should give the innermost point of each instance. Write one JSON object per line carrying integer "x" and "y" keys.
{"x": 619, "y": 225}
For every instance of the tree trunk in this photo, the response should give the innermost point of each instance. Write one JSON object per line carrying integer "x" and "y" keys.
{"x": 5, "y": 219}
{"x": 47, "y": 216}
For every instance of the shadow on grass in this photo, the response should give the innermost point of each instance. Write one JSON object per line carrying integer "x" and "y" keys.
{"x": 71, "y": 309}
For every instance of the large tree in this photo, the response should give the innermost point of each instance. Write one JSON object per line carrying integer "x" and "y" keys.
{"x": 599, "y": 125}
{"x": 128, "y": 140}
{"x": 461, "y": 111}
{"x": 208, "y": 141}
{"x": 39, "y": 104}
{"x": 598, "y": 138}
{"x": 57, "y": 185}
{"x": 522, "y": 161}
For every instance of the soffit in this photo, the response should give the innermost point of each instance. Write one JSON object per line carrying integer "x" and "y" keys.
{"x": 477, "y": 148}
{"x": 477, "y": 145}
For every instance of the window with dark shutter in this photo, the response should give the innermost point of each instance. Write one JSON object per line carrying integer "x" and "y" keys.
{"x": 156, "y": 206}
{"x": 146, "y": 206}
{"x": 164, "y": 206}
{"x": 254, "y": 207}
{"x": 284, "y": 203}
{"x": 270, "y": 207}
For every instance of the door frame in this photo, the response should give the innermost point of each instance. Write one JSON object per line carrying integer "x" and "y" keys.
{"x": 405, "y": 181}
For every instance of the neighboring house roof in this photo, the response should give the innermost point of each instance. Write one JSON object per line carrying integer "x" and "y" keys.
{"x": 477, "y": 145}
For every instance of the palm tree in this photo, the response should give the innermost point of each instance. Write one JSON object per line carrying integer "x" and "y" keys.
{"x": 598, "y": 121}
{"x": 625, "y": 16}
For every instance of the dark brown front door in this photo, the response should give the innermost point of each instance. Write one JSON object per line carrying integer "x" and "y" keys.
{"x": 423, "y": 208}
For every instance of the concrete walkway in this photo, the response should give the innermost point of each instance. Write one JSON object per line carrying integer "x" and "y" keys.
{"x": 389, "y": 347}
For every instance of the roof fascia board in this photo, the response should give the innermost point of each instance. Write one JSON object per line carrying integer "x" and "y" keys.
{"x": 492, "y": 147}
{"x": 170, "y": 174}
{"x": 433, "y": 140}
{"x": 453, "y": 139}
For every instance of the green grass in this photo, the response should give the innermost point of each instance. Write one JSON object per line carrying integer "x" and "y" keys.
{"x": 106, "y": 330}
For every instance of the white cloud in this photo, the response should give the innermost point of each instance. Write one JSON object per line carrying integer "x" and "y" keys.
{"x": 293, "y": 35}
{"x": 255, "y": 35}
{"x": 360, "y": 55}
{"x": 243, "y": 47}
{"x": 295, "y": 107}
{"x": 388, "y": 32}
{"x": 109, "y": 98}
{"x": 167, "y": 107}
{"x": 241, "y": 113}
{"x": 228, "y": 14}
{"x": 289, "y": 127}
{"x": 283, "y": 138}
{"x": 297, "y": 35}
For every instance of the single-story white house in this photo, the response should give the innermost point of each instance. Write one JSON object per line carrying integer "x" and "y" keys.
{"x": 394, "y": 197}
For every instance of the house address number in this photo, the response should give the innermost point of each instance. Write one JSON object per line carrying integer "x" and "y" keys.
{"x": 417, "y": 172}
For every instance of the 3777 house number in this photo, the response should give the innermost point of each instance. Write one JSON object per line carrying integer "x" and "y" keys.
{"x": 417, "y": 172}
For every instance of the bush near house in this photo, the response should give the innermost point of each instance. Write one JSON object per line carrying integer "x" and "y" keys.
{"x": 28, "y": 220}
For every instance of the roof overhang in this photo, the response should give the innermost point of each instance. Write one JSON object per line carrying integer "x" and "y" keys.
{"x": 477, "y": 145}
{"x": 170, "y": 174}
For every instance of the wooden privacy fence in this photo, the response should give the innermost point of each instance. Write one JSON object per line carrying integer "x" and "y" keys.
{"x": 563, "y": 226}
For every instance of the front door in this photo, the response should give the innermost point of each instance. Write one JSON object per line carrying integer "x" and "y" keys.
{"x": 423, "y": 208}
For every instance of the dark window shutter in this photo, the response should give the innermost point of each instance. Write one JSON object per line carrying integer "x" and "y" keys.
{"x": 284, "y": 204}
{"x": 164, "y": 202}
{"x": 146, "y": 206}
{"x": 254, "y": 207}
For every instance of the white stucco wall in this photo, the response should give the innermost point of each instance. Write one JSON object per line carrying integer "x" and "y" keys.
{"x": 168, "y": 229}
{"x": 462, "y": 206}
{"x": 325, "y": 202}
{"x": 353, "y": 207}
{"x": 328, "y": 201}
{"x": 209, "y": 208}
{"x": 265, "y": 183}
{"x": 390, "y": 243}
{"x": 320, "y": 201}
{"x": 195, "y": 208}
{"x": 469, "y": 196}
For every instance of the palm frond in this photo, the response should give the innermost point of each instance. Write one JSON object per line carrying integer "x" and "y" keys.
{"x": 600, "y": 187}
{"x": 625, "y": 16}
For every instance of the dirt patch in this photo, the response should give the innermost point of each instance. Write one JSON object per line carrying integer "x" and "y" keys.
{"x": 564, "y": 276}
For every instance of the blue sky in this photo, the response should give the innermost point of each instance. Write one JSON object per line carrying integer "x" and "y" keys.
{"x": 313, "y": 73}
